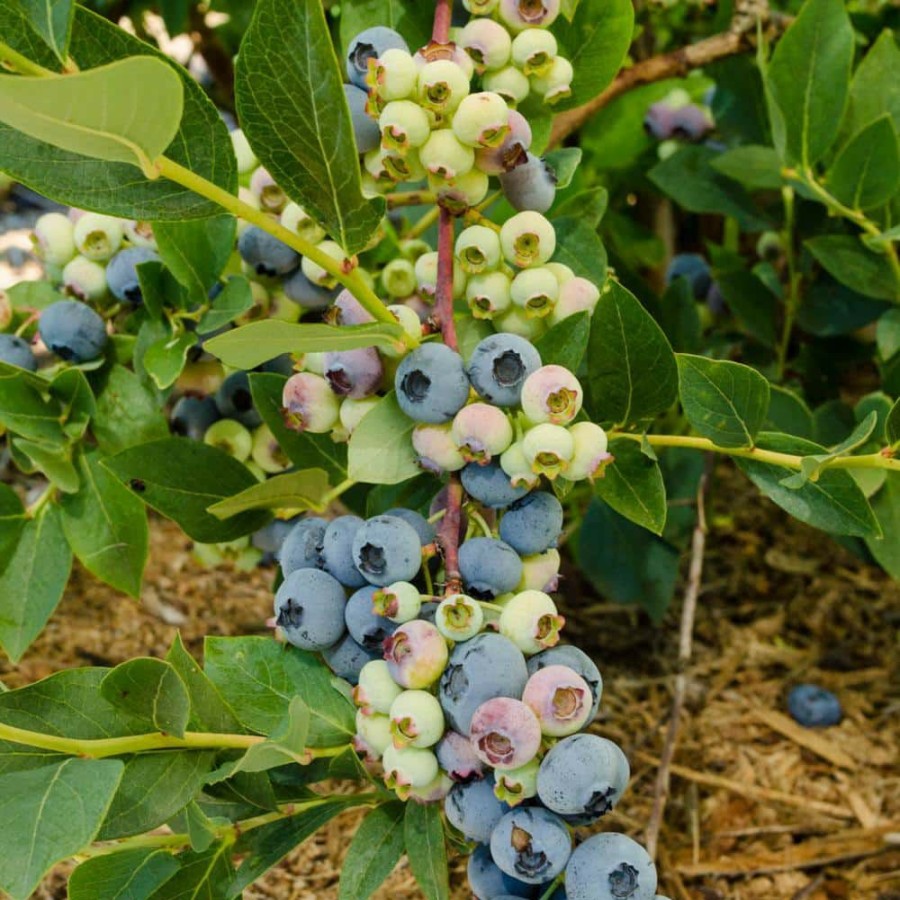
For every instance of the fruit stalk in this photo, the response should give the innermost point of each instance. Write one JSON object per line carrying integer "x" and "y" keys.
{"x": 441, "y": 32}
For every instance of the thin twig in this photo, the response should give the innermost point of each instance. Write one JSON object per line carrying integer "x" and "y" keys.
{"x": 685, "y": 649}
{"x": 442, "y": 14}
{"x": 444, "y": 286}
{"x": 448, "y": 536}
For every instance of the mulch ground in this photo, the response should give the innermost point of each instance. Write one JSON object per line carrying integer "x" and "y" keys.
{"x": 759, "y": 808}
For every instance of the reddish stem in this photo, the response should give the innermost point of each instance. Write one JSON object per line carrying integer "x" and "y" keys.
{"x": 442, "y": 13}
{"x": 448, "y": 536}
{"x": 444, "y": 286}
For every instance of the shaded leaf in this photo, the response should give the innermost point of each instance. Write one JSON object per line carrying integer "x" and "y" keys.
{"x": 376, "y": 847}
{"x": 633, "y": 486}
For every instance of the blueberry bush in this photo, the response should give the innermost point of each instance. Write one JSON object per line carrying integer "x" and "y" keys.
{"x": 397, "y": 334}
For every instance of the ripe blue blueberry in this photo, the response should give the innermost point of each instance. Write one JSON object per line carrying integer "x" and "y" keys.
{"x": 17, "y": 352}
{"x": 691, "y": 122}
{"x": 530, "y": 185}
{"x": 474, "y": 809}
{"x": 387, "y": 549}
{"x": 299, "y": 289}
{"x": 499, "y": 366}
{"x": 814, "y": 707}
{"x": 489, "y": 567}
{"x": 490, "y": 485}
{"x": 431, "y": 384}
{"x": 369, "y": 45}
{"x": 73, "y": 331}
{"x": 347, "y": 658}
{"x": 354, "y": 373}
{"x": 531, "y": 844}
{"x": 610, "y": 867}
{"x": 309, "y": 608}
{"x": 192, "y": 416}
{"x": 236, "y": 402}
{"x": 578, "y": 661}
{"x": 693, "y": 267}
{"x": 337, "y": 550}
{"x": 265, "y": 254}
{"x": 121, "y": 273}
{"x": 365, "y": 128}
{"x": 583, "y": 775}
{"x": 658, "y": 121}
{"x": 488, "y": 882}
{"x": 423, "y": 527}
{"x": 533, "y": 524}
{"x": 478, "y": 670}
{"x": 365, "y": 627}
{"x": 270, "y": 538}
{"x": 302, "y": 548}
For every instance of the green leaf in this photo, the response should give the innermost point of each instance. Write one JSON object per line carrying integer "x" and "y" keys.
{"x": 52, "y": 813}
{"x": 201, "y": 144}
{"x": 589, "y": 206}
{"x": 55, "y": 462}
{"x": 789, "y": 413}
{"x": 830, "y": 308}
{"x": 196, "y": 252}
{"x": 756, "y": 168}
{"x": 234, "y": 299}
{"x": 724, "y": 401}
{"x": 631, "y": 368}
{"x": 24, "y": 411}
{"x": 201, "y": 876}
{"x": 875, "y": 90}
{"x": 19, "y": 758}
{"x": 595, "y": 41}
{"x": 381, "y": 450}
{"x": 263, "y": 847}
{"x": 33, "y": 294}
{"x": 291, "y": 105}
{"x": 833, "y": 503}
{"x": 73, "y": 391}
{"x": 679, "y": 316}
{"x": 52, "y": 20}
{"x": 306, "y": 451}
{"x": 12, "y": 520}
{"x": 412, "y": 20}
{"x": 564, "y": 164}
{"x": 866, "y": 172}
{"x": 294, "y": 490}
{"x": 633, "y": 486}
{"x": 579, "y": 247}
{"x": 150, "y": 689}
{"x": 33, "y": 581}
{"x": 106, "y": 526}
{"x": 809, "y": 78}
{"x": 181, "y": 479}
{"x": 625, "y": 562}
{"x": 258, "y": 678}
{"x": 374, "y": 851}
{"x": 209, "y": 712}
{"x": 92, "y": 112}
{"x": 888, "y": 334}
{"x": 892, "y": 425}
{"x": 846, "y": 258}
{"x": 127, "y": 412}
{"x": 250, "y": 345}
{"x": 811, "y": 466}
{"x": 424, "y": 835}
{"x": 286, "y": 744}
{"x": 154, "y": 787}
{"x": 126, "y": 875}
{"x": 566, "y": 342}
{"x": 200, "y": 828}
{"x": 886, "y": 507}
{"x": 164, "y": 360}
{"x": 688, "y": 177}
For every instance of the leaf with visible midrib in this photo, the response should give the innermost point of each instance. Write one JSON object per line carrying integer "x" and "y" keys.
{"x": 294, "y": 490}
{"x": 128, "y": 111}
{"x": 126, "y": 875}
{"x": 376, "y": 847}
{"x": 52, "y": 20}
{"x": 291, "y": 104}
{"x": 633, "y": 486}
{"x": 426, "y": 849}
{"x": 381, "y": 450}
{"x": 150, "y": 689}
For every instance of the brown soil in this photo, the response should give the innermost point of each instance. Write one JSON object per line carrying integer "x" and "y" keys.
{"x": 759, "y": 808}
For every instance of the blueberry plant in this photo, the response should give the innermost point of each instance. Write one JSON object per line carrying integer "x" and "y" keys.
{"x": 368, "y": 336}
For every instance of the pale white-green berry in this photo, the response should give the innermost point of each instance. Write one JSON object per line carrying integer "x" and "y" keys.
{"x": 398, "y": 278}
{"x": 417, "y": 719}
{"x": 482, "y": 120}
{"x": 461, "y": 193}
{"x": 591, "y": 454}
{"x": 445, "y": 156}
{"x": 516, "y": 465}
{"x": 376, "y": 690}
{"x": 487, "y": 42}
{"x": 556, "y": 83}
{"x": 540, "y": 572}
{"x": 548, "y": 449}
{"x": 98, "y": 237}
{"x": 354, "y": 411}
{"x": 514, "y": 786}
{"x": 318, "y": 275}
{"x": 395, "y": 75}
{"x": 531, "y": 621}
{"x": 374, "y": 733}
{"x": 516, "y": 321}
{"x": 246, "y": 158}
{"x": 534, "y": 50}
{"x": 535, "y": 291}
{"x": 437, "y": 449}
{"x": 478, "y": 249}
{"x": 399, "y": 602}
{"x": 409, "y": 767}
{"x": 404, "y": 125}
{"x": 488, "y": 294}
{"x": 459, "y": 617}
{"x": 85, "y": 279}
{"x": 509, "y": 83}
{"x": 53, "y": 238}
{"x": 296, "y": 219}
{"x": 528, "y": 239}
{"x": 442, "y": 84}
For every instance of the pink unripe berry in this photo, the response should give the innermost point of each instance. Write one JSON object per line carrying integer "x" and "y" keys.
{"x": 560, "y": 698}
{"x": 575, "y": 295}
{"x": 417, "y": 719}
{"x": 354, "y": 373}
{"x": 519, "y": 14}
{"x": 376, "y": 690}
{"x": 437, "y": 450}
{"x": 309, "y": 404}
{"x": 591, "y": 456}
{"x": 531, "y": 621}
{"x": 271, "y": 197}
{"x": 512, "y": 152}
{"x": 458, "y": 758}
{"x": 528, "y": 239}
{"x": 488, "y": 294}
{"x": 399, "y": 602}
{"x": 487, "y": 42}
{"x": 481, "y": 432}
{"x": 482, "y": 120}
{"x": 548, "y": 450}
{"x": 505, "y": 733}
{"x": 552, "y": 394}
{"x": 459, "y": 617}
{"x": 347, "y": 310}
{"x": 514, "y": 786}
{"x": 416, "y": 654}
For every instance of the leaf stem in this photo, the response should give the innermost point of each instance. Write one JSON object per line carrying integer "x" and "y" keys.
{"x": 336, "y": 492}
{"x": 22, "y": 64}
{"x": 351, "y": 279}
{"x": 793, "y": 288}
{"x": 409, "y": 198}
{"x": 45, "y": 497}
{"x": 787, "y": 460}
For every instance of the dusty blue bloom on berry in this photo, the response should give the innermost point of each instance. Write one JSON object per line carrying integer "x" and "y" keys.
{"x": 560, "y": 698}
{"x": 610, "y": 867}
{"x": 192, "y": 416}
{"x": 73, "y": 331}
{"x": 583, "y": 775}
{"x": 488, "y": 882}
{"x": 489, "y": 567}
{"x": 300, "y": 290}
{"x": 347, "y": 658}
{"x": 578, "y": 661}
{"x": 505, "y": 732}
{"x": 17, "y": 352}
{"x": 474, "y": 810}
{"x": 365, "y": 626}
{"x": 530, "y": 185}
{"x": 659, "y": 121}
{"x": 387, "y": 549}
{"x": 814, "y": 707}
{"x": 349, "y": 311}
{"x": 499, "y": 365}
{"x": 478, "y": 670}
{"x": 693, "y": 267}
{"x": 302, "y": 548}
{"x": 337, "y": 551}
{"x": 431, "y": 384}
{"x": 365, "y": 128}
{"x": 309, "y": 608}
{"x": 691, "y": 122}
{"x": 416, "y": 654}
{"x": 490, "y": 485}
{"x": 265, "y": 254}
{"x": 533, "y": 524}
{"x": 354, "y": 373}
{"x": 532, "y": 844}
{"x": 458, "y": 758}
{"x": 235, "y": 401}
{"x": 423, "y": 527}
{"x": 369, "y": 45}
{"x": 122, "y": 276}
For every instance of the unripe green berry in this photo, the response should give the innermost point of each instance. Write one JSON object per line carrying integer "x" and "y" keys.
{"x": 548, "y": 450}
{"x": 562, "y": 272}
{"x": 487, "y": 42}
{"x": 528, "y": 239}
{"x": 519, "y": 14}
{"x": 54, "y": 239}
{"x": 488, "y": 294}
{"x": 517, "y": 466}
{"x": 442, "y": 84}
{"x": 413, "y": 248}
{"x": 373, "y": 734}
{"x": 516, "y": 321}
{"x": 445, "y": 156}
{"x": 556, "y": 83}
{"x": 354, "y": 411}
{"x": 376, "y": 168}
{"x": 480, "y": 7}
{"x": 140, "y": 233}
{"x": 316, "y": 274}
{"x": 314, "y": 362}
{"x": 535, "y": 291}
{"x": 296, "y": 219}
{"x": 509, "y": 83}
{"x": 407, "y": 318}
{"x": 394, "y": 75}
{"x": 404, "y": 125}
{"x": 426, "y": 275}
{"x": 399, "y": 602}
{"x": 404, "y": 166}
{"x": 84, "y": 279}
{"x": 267, "y": 452}
{"x": 98, "y": 237}
{"x": 408, "y": 768}
{"x": 246, "y": 158}
{"x": 229, "y": 435}
{"x": 463, "y": 192}
{"x": 591, "y": 452}
{"x": 534, "y": 50}
{"x": 541, "y": 571}
{"x": 478, "y": 249}
{"x": 482, "y": 120}
{"x": 514, "y": 786}
{"x": 272, "y": 198}
{"x": 398, "y": 278}
{"x": 459, "y": 617}
{"x": 376, "y": 690}
{"x": 531, "y": 621}
{"x": 417, "y": 720}
{"x": 575, "y": 295}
